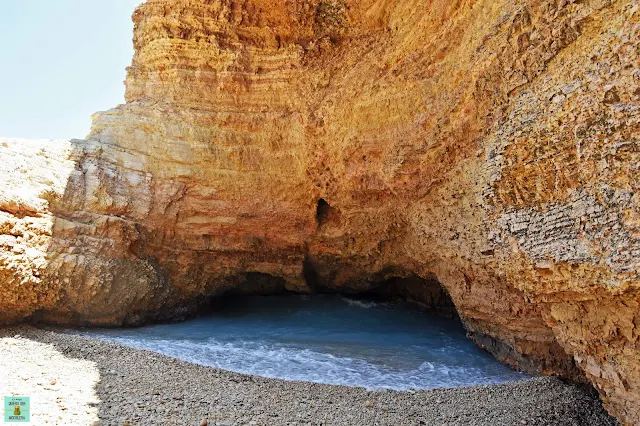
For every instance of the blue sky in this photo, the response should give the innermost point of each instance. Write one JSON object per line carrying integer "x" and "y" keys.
{"x": 61, "y": 61}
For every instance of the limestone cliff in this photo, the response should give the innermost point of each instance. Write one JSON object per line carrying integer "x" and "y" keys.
{"x": 329, "y": 145}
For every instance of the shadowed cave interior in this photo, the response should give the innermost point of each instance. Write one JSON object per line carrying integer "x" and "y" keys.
{"x": 424, "y": 294}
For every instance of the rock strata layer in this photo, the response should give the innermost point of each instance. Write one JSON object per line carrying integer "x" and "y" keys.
{"x": 329, "y": 145}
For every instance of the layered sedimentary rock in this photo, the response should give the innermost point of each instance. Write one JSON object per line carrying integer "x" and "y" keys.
{"x": 332, "y": 145}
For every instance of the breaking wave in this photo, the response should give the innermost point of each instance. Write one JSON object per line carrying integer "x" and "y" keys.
{"x": 325, "y": 339}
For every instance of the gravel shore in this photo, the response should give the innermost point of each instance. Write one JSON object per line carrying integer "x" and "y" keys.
{"x": 73, "y": 380}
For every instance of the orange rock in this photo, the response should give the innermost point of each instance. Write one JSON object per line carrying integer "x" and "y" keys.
{"x": 491, "y": 146}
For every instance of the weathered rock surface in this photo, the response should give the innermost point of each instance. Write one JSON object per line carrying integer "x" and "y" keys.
{"x": 493, "y": 146}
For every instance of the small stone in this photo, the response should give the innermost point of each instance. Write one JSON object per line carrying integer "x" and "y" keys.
{"x": 524, "y": 422}
{"x": 204, "y": 422}
{"x": 368, "y": 404}
{"x": 611, "y": 96}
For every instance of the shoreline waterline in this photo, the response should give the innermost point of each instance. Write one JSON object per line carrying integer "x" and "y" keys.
{"x": 329, "y": 339}
{"x": 122, "y": 384}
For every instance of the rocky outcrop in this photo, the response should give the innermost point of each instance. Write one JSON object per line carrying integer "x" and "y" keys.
{"x": 335, "y": 145}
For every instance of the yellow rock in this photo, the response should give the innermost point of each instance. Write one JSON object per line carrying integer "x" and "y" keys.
{"x": 269, "y": 145}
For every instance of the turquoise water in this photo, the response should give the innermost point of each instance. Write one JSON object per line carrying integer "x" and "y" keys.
{"x": 325, "y": 339}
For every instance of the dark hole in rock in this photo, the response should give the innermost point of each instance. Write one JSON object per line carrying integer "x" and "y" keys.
{"x": 326, "y": 214}
{"x": 323, "y": 210}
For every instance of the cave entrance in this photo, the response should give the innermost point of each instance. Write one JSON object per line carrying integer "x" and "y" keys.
{"x": 427, "y": 294}
{"x": 331, "y": 338}
{"x": 345, "y": 334}
{"x": 389, "y": 285}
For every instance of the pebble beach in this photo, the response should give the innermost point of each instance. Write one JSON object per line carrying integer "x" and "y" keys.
{"x": 73, "y": 380}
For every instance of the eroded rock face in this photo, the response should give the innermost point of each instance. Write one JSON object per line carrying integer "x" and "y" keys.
{"x": 334, "y": 145}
